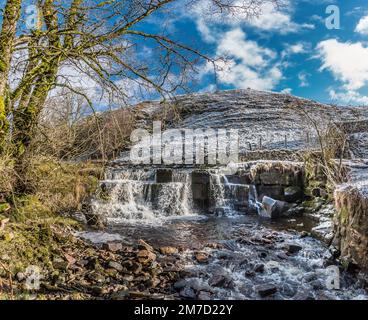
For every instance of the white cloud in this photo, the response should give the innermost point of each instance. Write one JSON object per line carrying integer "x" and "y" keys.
{"x": 275, "y": 19}
{"x": 286, "y": 90}
{"x": 348, "y": 97}
{"x": 348, "y": 62}
{"x": 247, "y": 64}
{"x": 303, "y": 78}
{"x": 297, "y": 48}
{"x": 234, "y": 43}
{"x": 271, "y": 18}
{"x": 362, "y": 26}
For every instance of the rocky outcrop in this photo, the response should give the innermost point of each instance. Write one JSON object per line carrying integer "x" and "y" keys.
{"x": 351, "y": 220}
{"x": 351, "y": 225}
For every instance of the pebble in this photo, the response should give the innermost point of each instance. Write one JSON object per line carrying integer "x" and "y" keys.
{"x": 115, "y": 265}
{"x": 112, "y": 246}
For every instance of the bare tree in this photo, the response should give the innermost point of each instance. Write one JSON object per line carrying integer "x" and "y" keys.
{"x": 101, "y": 40}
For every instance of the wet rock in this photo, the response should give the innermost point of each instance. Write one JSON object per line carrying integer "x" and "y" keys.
{"x": 292, "y": 194}
{"x": 221, "y": 281}
{"x": 168, "y": 250}
{"x": 304, "y": 234}
{"x": 94, "y": 220}
{"x": 273, "y": 208}
{"x": 324, "y": 231}
{"x": 265, "y": 290}
{"x": 259, "y": 268}
{"x": 250, "y": 274}
{"x": 201, "y": 257}
{"x": 310, "y": 276}
{"x": 335, "y": 252}
{"x": 146, "y": 257}
{"x": 204, "y": 296}
{"x": 113, "y": 246}
{"x": 188, "y": 293}
{"x": 296, "y": 211}
{"x": 230, "y": 245}
{"x": 180, "y": 284}
{"x": 115, "y": 265}
{"x": 282, "y": 256}
{"x": 143, "y": 245}
{"x": 293, "y": 248}
{"x": 263, "y": 254}
{"x": 120, "y": 295}
{"x": 269, "y": 208}
{"x": 316, "y": 285}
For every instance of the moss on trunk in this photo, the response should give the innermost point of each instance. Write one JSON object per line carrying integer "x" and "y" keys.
{"x": 7, "y": 36}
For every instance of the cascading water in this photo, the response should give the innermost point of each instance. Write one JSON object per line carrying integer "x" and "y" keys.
{"x": 131, "y": 195}
{"x": 253, "y": 200}
{"x": 175, "y": 198}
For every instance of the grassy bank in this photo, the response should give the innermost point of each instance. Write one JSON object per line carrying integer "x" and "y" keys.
{"x": 36, "y": 227}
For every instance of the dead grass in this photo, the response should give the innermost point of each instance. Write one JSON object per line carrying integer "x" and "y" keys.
{"x": 60, "y": 186}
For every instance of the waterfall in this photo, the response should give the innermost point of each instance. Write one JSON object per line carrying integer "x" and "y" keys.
{"x": 134, "y": 194}
{"x": 253, "y": 200}
{"x": 219, "y": 185}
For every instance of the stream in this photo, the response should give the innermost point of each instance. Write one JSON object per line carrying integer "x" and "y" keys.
{"x": 230, "y": 255}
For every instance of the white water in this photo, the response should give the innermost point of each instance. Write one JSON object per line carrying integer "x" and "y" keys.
{"x": 134, "y": 195}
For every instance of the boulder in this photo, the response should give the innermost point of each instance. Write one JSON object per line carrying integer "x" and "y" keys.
{"x": 273, "y": 208}
{"x": 265, "y": 290}
{"x": 221, "y": 281}
{"x": 293, "y": 248}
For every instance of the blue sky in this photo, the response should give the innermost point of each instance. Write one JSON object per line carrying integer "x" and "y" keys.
{"x": 289, "y": 50}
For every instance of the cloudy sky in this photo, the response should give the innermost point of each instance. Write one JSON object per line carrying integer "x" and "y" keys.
{"x": 289, "y": 50}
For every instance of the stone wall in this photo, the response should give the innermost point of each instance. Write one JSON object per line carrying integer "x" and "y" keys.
{"x": 279, "y": 180}
{"x": 351, "y": 225}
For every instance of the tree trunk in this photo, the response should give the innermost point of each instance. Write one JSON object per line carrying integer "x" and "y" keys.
{"x": 7, "y": 37}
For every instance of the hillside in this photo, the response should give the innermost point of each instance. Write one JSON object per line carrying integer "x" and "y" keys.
{"x": 265, "y": 120}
